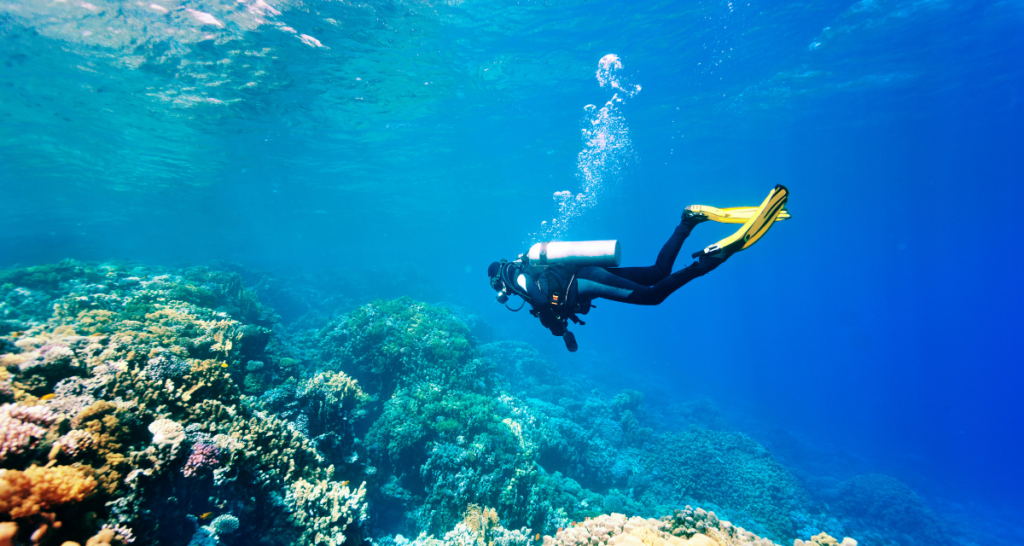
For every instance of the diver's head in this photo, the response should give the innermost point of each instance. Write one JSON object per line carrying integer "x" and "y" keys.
{"x": 494, "y": 272}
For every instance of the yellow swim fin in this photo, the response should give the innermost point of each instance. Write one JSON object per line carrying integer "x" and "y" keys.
{"x": 733, "y": 215}
{"x": 754, "y": 227}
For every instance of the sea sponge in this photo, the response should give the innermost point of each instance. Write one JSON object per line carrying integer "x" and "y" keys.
{"x": 38, "y": 489}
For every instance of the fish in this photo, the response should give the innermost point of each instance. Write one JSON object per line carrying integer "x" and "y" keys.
{"x": 205, "y": 515}
{"x": 224, "y": 365}
{"x": 344, "y": 483}
{"x": 537, "y": 537}
{"x": 16, "y": 334}
{"x": 48, "y": 396}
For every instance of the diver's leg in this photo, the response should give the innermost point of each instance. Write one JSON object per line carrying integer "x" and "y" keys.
{"x": 657, "y": 293}
{"x": 662, "y": 267}
{"x": 598, "y": 282}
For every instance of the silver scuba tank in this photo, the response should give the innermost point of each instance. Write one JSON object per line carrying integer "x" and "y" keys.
{"x": 576, "y": 253}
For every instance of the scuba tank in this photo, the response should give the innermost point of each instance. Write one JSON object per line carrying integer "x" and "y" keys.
{"x": 576, "y": 253}
{"x": 552, "y": 267}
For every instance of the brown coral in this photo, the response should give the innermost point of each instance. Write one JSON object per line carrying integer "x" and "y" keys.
{"x": 106, "y": 537}
{"x": 479, "y": 521}
{"x": 618, "y": 530}
{"x": 24, "y": 494}
{"x": 109, "y": 436}
{"x": 8, "y": 530}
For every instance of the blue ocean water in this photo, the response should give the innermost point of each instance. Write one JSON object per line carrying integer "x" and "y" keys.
{"x": 403, "y": 146}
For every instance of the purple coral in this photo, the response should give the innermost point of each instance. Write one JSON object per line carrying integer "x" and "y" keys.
{"x": 50, "y": 355}
{"x": 203, "y": 456}
{"x": 165, "y": 367}
{"x": 21, "y": 426}
{"x": 75, "y": 442}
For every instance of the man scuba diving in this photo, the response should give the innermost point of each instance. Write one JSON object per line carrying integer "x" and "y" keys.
{"x": 560, "y": 280}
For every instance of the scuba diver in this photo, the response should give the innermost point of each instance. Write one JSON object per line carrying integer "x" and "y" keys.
{"x": 560, "y": 280}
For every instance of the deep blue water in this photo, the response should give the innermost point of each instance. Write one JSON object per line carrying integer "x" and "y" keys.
{"x": 882, "y": 321}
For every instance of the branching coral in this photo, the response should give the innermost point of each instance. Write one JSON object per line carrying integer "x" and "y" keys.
{"x": 21, "y": 427}
{"x": 202, "y": 457}
{"x": 325, "y": 509}
{"x": 74, "y": 444}
{"x": 480, "y": 527}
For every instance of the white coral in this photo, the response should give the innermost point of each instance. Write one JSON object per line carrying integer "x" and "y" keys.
{"x": 167, "y": 432}
{"x": 325, "y": 509}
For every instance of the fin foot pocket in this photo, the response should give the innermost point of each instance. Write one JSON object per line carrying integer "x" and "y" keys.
{"x": 753, "y": 228}
{"x": 733, "y": 215}
{"x": 570, "y": 341}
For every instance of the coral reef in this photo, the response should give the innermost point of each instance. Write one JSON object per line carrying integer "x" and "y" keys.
{"x": 883, "y": 509}
{"x": 728, "y": 469}
{"x": 40, "y": 489}
{"x": 139, "y": 402}
{"x": 677, "y": 530}
{"x": 824, "y": 540}
{"x": 21, "y": 428}
{"x": 134, "y": 372}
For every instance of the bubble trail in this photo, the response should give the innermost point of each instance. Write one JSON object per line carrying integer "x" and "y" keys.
{"x": 607, "y": 150}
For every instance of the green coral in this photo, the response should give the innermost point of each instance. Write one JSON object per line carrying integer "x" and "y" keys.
{"x": 400, "y": 341}
{"x": 728, "y": 469}
{"x": 882, "y": 504}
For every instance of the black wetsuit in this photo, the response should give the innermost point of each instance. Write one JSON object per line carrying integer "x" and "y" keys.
{"x": 644, "y": 285}
{"x": 637, "y": 285}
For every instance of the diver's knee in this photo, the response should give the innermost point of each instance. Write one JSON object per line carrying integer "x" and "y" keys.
{"x": 647, "y": 297}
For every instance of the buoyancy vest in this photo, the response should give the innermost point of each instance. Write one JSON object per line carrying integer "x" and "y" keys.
{"x": 551, "y": 291}
{"x": 554, "y": 300}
